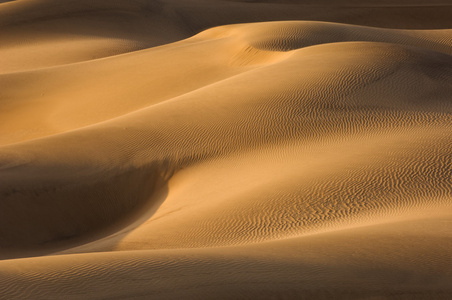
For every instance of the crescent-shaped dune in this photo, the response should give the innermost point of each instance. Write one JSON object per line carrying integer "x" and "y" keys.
{"x": 177, "y": 150}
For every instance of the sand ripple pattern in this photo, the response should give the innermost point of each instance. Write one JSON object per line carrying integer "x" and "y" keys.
{"x": 274, "y": 140}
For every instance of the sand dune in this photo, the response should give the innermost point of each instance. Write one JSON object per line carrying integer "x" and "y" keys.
{"x": 188, "y": 149}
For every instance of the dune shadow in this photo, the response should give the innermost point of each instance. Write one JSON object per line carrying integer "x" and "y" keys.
{"x": 49, "y": 220}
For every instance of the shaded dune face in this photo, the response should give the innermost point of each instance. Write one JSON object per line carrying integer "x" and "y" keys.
{"x": 261, "y": 160}
{"x": 46, "y": 33}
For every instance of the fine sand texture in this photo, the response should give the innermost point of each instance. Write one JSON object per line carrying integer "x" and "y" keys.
{"x": 207, "y": 149}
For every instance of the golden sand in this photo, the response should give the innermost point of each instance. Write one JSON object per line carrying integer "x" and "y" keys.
{"x": 225, "y": 149}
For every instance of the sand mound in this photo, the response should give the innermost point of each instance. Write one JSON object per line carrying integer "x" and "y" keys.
{"x": 275, "y": 159}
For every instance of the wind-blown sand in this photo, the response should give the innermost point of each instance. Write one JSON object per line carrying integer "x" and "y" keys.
{"x": 175, "y": 150}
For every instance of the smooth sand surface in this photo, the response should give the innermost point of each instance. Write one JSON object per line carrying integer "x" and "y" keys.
{"x": 225, "y": 149}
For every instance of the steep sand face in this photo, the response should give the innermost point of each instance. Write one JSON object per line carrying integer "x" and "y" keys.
{"x": 278, "y": 159}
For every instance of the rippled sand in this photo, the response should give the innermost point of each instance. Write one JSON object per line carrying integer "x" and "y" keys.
{"x": 211, "y": 150}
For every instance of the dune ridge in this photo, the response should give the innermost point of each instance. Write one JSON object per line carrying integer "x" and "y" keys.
{"x": 157, "y": 149}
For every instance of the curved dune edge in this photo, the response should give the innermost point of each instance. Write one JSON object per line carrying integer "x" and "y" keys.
{"x": 276, "y": 101}
{"x": 56, "y": 99}
{"x": 290, "y": 158}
